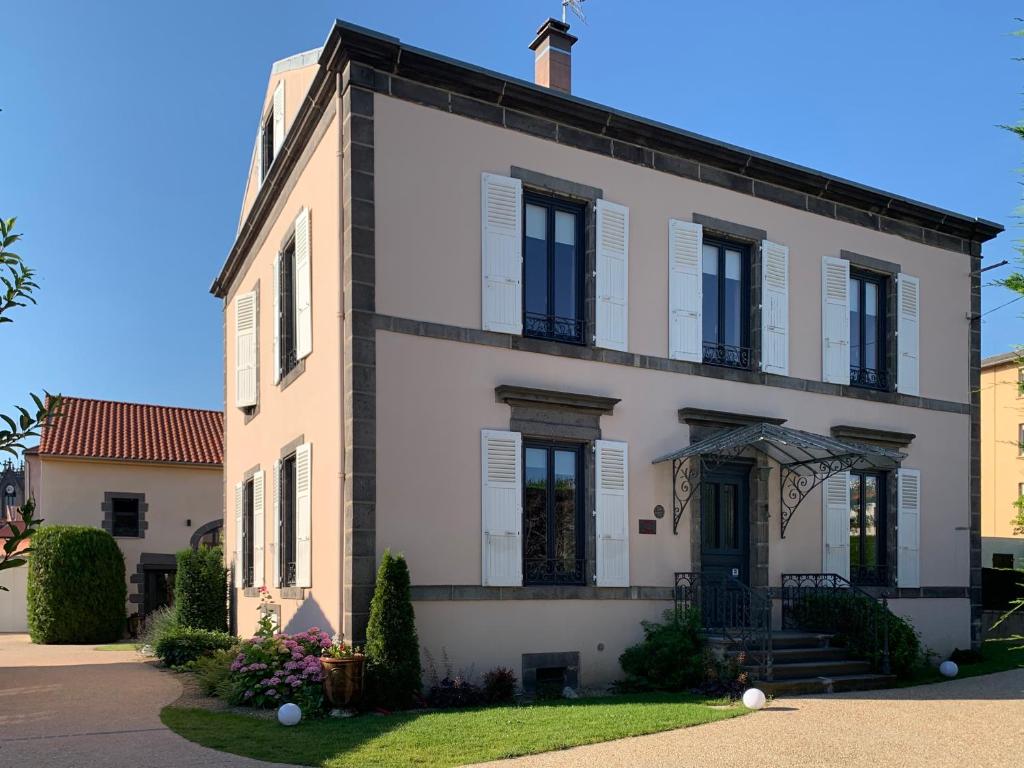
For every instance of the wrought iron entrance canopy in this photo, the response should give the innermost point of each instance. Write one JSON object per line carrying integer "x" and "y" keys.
{"x": 805, "y": 461}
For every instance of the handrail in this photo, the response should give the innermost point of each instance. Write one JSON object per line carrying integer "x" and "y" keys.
{"x": 741, "y": 613}
{"x": 796, "y": 585}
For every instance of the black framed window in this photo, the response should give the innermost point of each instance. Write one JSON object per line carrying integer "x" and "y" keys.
{"x": 267, "y": 146}
{"x": 553, "y": 522}
{"x": 286, "y": 310}
{"x": 125, "y": 518}
{"x": 1020, "y": 439}
{"x": 868, "y": 363}
{"x": 725, "y": 285}
{"x": 248, "y": 544}
{"x": 287, "y": 522}
{"x": 868, "y": 528}
{"x": 553, "y": 265}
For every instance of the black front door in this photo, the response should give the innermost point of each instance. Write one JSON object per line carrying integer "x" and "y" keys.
{"x": 159, "y": 589}
{"x": 724, "y": 524}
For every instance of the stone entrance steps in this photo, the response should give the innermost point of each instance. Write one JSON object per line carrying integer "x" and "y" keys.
{"x": 808, "y": 663}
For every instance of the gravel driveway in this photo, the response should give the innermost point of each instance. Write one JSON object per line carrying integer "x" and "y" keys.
{"x": 72, "y": 706}
{"x": 972, "y": 723}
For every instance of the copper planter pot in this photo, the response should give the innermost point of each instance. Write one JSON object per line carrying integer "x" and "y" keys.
{"x": 343, "y": 681}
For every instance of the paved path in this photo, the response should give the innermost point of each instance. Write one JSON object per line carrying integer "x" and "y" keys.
{"x": 74, "y": 707}
{"x": 971, "y": 723}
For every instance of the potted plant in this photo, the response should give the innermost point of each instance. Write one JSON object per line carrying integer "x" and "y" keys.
{"x": 343, "y": 674}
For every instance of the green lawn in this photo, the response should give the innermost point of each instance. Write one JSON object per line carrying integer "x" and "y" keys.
{"x": 997, "y": 656}
{"x": 118, "y": 647}
{"x": 442, "y": 739}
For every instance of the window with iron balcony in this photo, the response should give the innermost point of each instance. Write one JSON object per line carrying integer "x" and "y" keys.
{"x": 725, "y": 290}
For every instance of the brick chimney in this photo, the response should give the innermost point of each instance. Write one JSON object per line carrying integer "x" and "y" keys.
{"x": 553, "y": 56}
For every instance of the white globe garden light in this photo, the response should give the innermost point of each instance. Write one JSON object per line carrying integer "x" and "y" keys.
{"x": 289, "y": 714}
{"x": 753, "y": 698}
{"x": 949, "y": 669}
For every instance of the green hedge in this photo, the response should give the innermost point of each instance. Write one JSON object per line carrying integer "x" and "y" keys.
{"x": 201, "y": 589}
{"x": 182, "y": 645}
{"x": 849, "y": 616}
{"x": 1000, "y": 587}
{"x": 669, "y": 657}
{"x": 76, "y": 588}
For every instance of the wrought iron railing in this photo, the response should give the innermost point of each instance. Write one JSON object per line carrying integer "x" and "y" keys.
{"x": 552, "y": 327}
{"x": 869, "y": 575}
{"x": 821, "y": 602}
{"x": 248, "y": 576}
{"x": 289, "y": 577}
{"x": 726, "y": 354}
{"x": 740, "y": 613}
{"x": 554, "y": 570}
{"x": 869, "y": 377}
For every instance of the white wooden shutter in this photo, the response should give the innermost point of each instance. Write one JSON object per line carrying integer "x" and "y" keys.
{"x": 908, "y": 378}
{"x": 685, "y": 243}
{"x": 259, "y": 157}
{"x": 502, "y": 237}
{"x": 246, "y": 351}
{"x": 502, "y": 508}
{"x": 774, "y": 308}
{"x": 908, "y": 532}
{"x": 835, "y": 320}
{"x": 275, "y": 530}
{"x": 239, "y": 533}
{"x": 612, "y": 513}
{"x": 276, "y": 362}
{"x": 303, "y": 515}
{"x": 303, "y": 287}
{"x": 258, "y": 529}
{"x": 278, "y": 117}
{"x": 835, "y": 498}
{"x": 612, "y": 313}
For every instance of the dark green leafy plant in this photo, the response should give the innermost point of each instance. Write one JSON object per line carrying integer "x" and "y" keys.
{"x": 393, "y": 671}
{"x": 76, "y": 588}
{"x": 500, "y": 686}
{"x": 669, "y": 657}
{"x": 182, "y": 645}
{"x": 201, "y": 588}
{"x": 213, "y": 672}
{"x": 852, "y": 618}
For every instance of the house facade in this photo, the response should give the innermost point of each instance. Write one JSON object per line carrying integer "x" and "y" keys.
{"x": 1002, "y": 460}
{"x": 556, "y": 355}
{"x": 149, "y": 475}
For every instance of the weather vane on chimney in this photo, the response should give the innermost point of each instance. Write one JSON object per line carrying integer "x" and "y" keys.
{"x": 576, "y": 6}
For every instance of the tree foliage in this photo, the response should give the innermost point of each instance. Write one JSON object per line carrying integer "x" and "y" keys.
{"x": 201, "y": 589}
{"x": 392, "y": 646}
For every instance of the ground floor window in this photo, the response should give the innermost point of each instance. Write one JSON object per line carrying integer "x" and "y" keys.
{"x": 287, "y": 522}
{"x": 248, "y": 543}
{"x": 553, "y": 522}
{"x": 868, "y": 527}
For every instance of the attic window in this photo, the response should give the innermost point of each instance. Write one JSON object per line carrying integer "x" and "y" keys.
{"x": 267, "y": 144}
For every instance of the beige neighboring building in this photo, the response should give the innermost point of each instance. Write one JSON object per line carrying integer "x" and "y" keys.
{"x": 151, "y": 475}
{"x": 1002, "y": 459}
{"x": 565, "y": 358}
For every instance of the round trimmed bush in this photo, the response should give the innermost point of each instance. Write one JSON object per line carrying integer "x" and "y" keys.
{"x": 76, "y": 588}
{"x": 201, "y": 589}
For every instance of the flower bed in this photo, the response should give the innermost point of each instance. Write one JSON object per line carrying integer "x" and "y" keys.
{"x": 269, "y": 671}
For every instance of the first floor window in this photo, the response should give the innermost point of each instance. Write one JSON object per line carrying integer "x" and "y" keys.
{"x": 867, "y": 331}
{"x": 1020, "y": 439}
{"x": 868, "y": 527}
{"x": 725, "y": 286}
{"x": 248, "y": 542}
{"x": 287, "y": 522}
{"x": 553, "y": 523}
{"x": 125, "y": 518}
{"x": 553, "y": 269}
{"x": 286, "y": 311}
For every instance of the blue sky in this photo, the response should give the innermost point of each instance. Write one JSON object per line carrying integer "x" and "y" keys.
{"x": 126, "y": 132}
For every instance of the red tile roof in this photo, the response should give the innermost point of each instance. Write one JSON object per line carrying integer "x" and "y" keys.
{"x": 106, "y": 429}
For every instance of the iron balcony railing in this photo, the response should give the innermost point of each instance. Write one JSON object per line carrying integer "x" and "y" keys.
{"x": 552, "y": 327}
{"x": 726, "y": 355}
{"x": 869, "y": 377}
{"x": 827, "y": 602}
{"x": 554, "y": 570}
